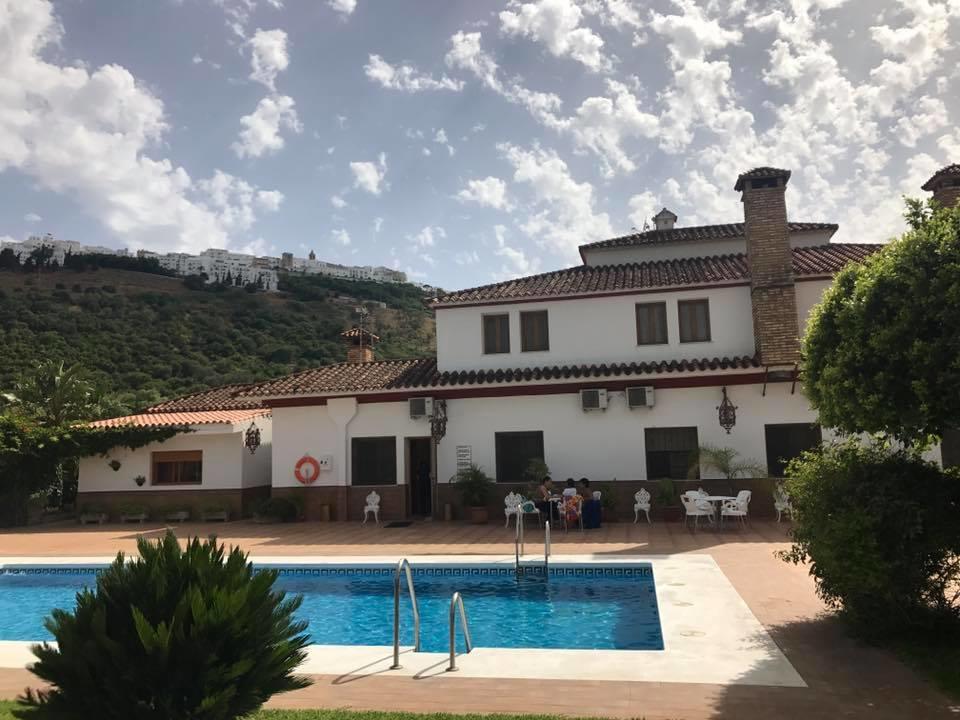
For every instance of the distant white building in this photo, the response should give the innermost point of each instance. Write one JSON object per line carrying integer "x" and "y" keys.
{"x": 61, "y": 248}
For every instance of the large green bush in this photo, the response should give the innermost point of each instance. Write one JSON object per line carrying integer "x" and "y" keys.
{"x": 881, "y": 530}
{"x": 174, "y": 635}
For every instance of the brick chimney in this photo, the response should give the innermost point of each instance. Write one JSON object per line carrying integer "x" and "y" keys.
{"x": 359, "y": 344}
{"x": 769, "y": 257}
{"x": 945, "y": 185}
{"x": 664, "y": 220}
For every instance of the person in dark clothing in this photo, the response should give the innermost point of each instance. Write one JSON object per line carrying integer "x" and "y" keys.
{"x": 591, "y": 509}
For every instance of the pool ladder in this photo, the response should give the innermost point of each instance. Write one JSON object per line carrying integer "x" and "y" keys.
{"x": 456, "y": 604}
{"x": 404, "y": 566}
{"x": 518, "y": 547}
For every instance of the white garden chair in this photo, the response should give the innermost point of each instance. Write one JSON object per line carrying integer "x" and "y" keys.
{"x": 511, "y": 507}
{"x": 781, "y": 502}
{"x": 372, "y": 506}
{"x": 695, "y": 508}
{"x": 641, "y": 502}
{"x": 738, "y": 508}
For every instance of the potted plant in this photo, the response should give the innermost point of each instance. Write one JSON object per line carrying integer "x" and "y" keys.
{"x": 608, "y": 504}
{"x": 666, "y": 499}
{"x": 274, "y": 510}
{"x": 215, "y": 512}
{"x": 140, "y": 480}
{"x": 177, "y": 513}
{"x": 133, "y": 513}
{"x": 475, "y": 488}
{"x": 93, "y": 514}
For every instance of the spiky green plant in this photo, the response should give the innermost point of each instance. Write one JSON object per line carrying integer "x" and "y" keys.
{"x": 176, "y": 634}
{"x": 725, "y": 461}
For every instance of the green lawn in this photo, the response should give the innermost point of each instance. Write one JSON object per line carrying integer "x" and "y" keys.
{"x": 6, "y": 707}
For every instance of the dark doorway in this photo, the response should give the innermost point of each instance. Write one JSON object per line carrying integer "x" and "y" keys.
{"x": 787, "y": 441}
{"x": 418, "y": 475}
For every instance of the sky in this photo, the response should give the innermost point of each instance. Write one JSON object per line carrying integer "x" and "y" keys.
{"x": 463, "y": 142}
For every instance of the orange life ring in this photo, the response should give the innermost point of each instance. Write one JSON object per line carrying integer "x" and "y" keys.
{"x": 311, "y": 475}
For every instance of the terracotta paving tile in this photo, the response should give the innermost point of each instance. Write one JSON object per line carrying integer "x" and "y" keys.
{"x": 845, "y": 678}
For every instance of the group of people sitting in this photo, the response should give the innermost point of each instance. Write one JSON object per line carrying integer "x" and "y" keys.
{"x": 576, "y": 502}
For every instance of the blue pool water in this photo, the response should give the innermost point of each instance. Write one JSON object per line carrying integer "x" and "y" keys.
{"x": 576, "y": 608}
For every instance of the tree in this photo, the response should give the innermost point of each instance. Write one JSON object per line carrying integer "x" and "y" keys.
{"x": 32, "y": 451}
{"x": 177, "y": 634}
{"x": 882, "y": 349}
{"x": 8, "y": 259}
{"x": 56, "y": 395}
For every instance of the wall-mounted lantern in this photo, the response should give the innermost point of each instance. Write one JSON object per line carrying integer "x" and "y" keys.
{"x": 727, "y": 412}
{"x": 251, "y": 438}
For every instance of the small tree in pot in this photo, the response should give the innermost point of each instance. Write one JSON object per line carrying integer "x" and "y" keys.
{"x": 475, "y": 487}
{"x": 665, "y": 499}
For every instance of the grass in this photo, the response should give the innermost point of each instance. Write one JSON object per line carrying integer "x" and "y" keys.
{"x": 7, "y": 707}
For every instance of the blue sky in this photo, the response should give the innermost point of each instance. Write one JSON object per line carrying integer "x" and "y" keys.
{"x": 462, "y": 142}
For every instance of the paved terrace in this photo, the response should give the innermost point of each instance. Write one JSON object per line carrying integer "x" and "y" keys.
{"x": 845, "y": 679}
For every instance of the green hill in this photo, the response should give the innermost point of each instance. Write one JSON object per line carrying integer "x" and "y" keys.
{"x": 147, "y": 337}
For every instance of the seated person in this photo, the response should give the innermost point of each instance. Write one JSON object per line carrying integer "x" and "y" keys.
{"x": 545, "y": 492}
{"x": 590, "y": 508}
{"x": 570, "y": 489}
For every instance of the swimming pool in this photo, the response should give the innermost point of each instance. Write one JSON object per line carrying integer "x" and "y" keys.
{"x": 575, "y": 607}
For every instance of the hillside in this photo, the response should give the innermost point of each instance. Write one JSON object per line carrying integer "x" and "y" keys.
{"x": 147, "y": 337}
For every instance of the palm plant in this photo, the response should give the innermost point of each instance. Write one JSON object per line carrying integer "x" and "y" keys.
{"x": 726, "y": 461}
{"x": 55, "y": 394}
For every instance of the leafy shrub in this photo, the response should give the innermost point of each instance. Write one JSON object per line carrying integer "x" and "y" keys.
{"x": 174, "y": 635}
{"x": 277, "y": 508}
{"x": 879, "y": 528}
{"x": 475, "y": 486}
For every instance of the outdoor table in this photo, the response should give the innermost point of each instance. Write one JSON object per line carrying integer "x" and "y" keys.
{"x": 716, "y": 501}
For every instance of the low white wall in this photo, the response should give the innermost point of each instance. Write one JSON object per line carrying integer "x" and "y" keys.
{"x": 610, "y": 444}
{"x": 222, "y": 464}
{"x": 596, "y": 330}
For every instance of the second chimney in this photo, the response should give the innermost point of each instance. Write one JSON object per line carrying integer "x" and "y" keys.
{"x": 770, "y": 259}
{"x": 945, "y": 185}
{"x": 664, "y": 220}
{"x": 360, "y": 345}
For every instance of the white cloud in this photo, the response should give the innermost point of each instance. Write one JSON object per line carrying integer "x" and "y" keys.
{"x": 406, "y": 77}
{"x": 197, "y": 60}
{"x": 563, "y": 216}
{"x": 467, "y": 257}
{"x": 344, "y": 7}
{"x": 261, "y": 129}
{"x": 950, "y": 145}
{"x": 32, "y": 218}
{"x": 341, "y": 237}
{"x": 268, "y": 56}
{"x": 238, "y": 12}
{"x": 269, "y": 199}
{"x": 426, "y": 152}
{"x": 370, "y": 176}
{"x": 377, "y": 224}
{"x": 517, "y": 264}
{"x": 642, "y": 209}
{"x": 85, "y": 133}
{"x": 440, "y": 137}
{"x": 556, "y": 24}
{"x": 428, "y": 236}
{"x": 488, "y": 192}
{"x": 930, "y": 115}
{"x": 338, "y": 202}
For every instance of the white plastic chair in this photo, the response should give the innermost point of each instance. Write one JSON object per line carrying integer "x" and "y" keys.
{"x": 641, "y": 502}
{"x": 695, "y": 508}
{"x": 372, "y": 506}
{"x": 781, "y": 502}
{"x": 736, "y": 508}
{"x": 511, "y": 507}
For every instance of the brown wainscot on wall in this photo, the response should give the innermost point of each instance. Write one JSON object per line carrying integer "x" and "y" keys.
{"x": 240, "y": 503}
{"x": 761, "y": 503}
{"x": 346, "y": 503}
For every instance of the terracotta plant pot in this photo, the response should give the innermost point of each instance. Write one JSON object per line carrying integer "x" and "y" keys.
{"x": 478, "y": 515}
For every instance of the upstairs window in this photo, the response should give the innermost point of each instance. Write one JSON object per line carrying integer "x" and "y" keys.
{"x": 177, "y": 468}
{"x": 694, "y": 320}
{"x": 651, "y": 323}
{"x": 534, "y": 332}
{"x": 786, "y": 441}
{"x": 496, "y": 334}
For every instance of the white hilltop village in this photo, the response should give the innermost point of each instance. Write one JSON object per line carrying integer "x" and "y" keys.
{"x": 216, "y": 264}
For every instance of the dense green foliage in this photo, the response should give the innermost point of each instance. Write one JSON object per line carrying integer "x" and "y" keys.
{"x": 474, "y": 485}
{"x": 146, "y": 337}
{"x": 32, "y": 452}
{"x": 879, "y": 528}
{"x": 174, "y": 635}
{"x": 882, "y": 350}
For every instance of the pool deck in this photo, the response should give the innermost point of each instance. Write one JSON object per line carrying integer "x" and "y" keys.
{"x": 843, "y": 678}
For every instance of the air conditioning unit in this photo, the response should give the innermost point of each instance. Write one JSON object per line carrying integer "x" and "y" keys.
{"x": 421, "y": 408}
{"x": 640, "y": 397}
{"x": 593, "y": 400}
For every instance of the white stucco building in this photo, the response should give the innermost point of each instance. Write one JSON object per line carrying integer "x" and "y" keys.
{"x": 613, "y": 370}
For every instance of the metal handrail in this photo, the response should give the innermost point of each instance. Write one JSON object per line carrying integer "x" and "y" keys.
{"x": 404, "y": 564}
{"x": 546, "y": 548}
{"x": 456, "y": 603}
